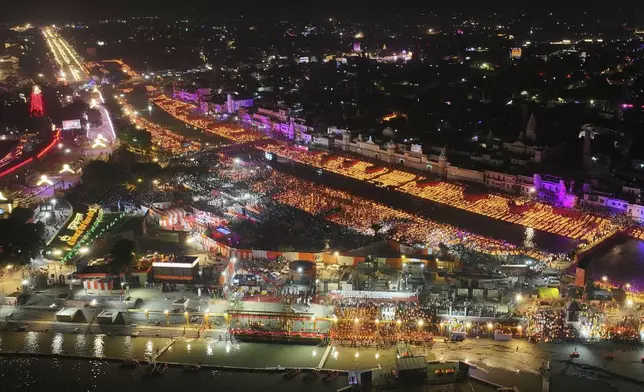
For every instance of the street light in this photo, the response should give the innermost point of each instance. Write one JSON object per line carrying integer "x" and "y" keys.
{"x": 629, "y": 302}
{"x": 66, "y": 169}
{"x": 627, "y": 285}
{"x": 83, "y": 250}
{"x": 518, "y": 298}
{"x": 604, "y": 278}
{"x": 489, "y": 328}
{"x": 167, "y": 316}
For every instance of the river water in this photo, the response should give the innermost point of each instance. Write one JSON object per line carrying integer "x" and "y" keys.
{"x": 512, "y": 363}
{"x": 623, "y": 262}
{"x": 139, "y": 100}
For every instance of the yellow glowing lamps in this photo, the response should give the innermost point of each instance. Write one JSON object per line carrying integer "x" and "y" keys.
{"x": 99, "y": 141}
{"x": 66, "y": 169}
{"x": 44, "y": 180}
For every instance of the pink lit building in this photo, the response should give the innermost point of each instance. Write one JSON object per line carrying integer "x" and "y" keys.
{"x": 281, "y": 122}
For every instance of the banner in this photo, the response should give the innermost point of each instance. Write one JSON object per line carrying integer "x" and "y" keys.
{"x": 71, "y": 124}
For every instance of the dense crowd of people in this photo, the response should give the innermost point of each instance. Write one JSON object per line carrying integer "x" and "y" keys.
{"x": 358, "y": 322}
{"x": 534, "y": 214}
{"x": 366, "y": 216}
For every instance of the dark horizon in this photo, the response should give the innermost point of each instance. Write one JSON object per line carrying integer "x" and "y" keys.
{"x": 69, "y": 10}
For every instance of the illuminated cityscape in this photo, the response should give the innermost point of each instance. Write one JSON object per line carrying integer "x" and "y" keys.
{"x": 331, "y": 198}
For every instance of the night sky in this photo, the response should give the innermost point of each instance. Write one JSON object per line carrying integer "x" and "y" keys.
{"x": 66, "y": 10}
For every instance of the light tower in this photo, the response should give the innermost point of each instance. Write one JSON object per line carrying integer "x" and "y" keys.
{"x": 37, "y": 108}
{"x": 442, "y": 164}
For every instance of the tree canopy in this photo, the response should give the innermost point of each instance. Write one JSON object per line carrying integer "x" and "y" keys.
{"x": 20, "y": 241}
{"x": 123, "y": 256}
{"x": 94, "y": 117}
{"x": 101, "y": 174}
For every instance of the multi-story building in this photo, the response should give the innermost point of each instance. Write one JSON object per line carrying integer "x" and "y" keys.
{"x": 281, "y": 121}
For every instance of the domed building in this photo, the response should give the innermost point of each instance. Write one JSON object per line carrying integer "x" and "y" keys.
{"x": 389, "y": 133}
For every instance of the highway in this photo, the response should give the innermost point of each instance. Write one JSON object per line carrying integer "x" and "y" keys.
{"x": 66, "y": 59}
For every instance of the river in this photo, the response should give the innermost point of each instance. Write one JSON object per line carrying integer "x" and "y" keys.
{"x": 512, "y": 363}
{"x": 621, "y": 263}
{"x": 139, "y": 101}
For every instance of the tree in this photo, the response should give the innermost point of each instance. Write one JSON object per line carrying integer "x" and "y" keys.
{"x": 94, "y": 117}
{"x": 21, "y": 214}
{"x": 147, "y": 170}
{"x": 122, "y": 252}
{"x": 20, "y": 242}
{"x": 376, "y": 227}
{"x": 74, "y": 111}
{"x": 101, "y": 174}
{"x": 123, "y": 157}
{"x": 137, "y": 137}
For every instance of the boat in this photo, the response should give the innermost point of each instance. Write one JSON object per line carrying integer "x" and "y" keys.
{"x": 191, "y": 368}
{"x": 331, "y": 375}
{"x": 312, "y": 375}
{"x": 162, "y": 368}
{"x": 574, "y": 354}
{"x": 151, "y": 369}
{"x": 156, "y": 369}
{"x": 130, "y": 363}
{"x": 291, "y": 373}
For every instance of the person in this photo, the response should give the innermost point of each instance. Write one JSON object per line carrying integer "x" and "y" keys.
{"x": 517, "y": 348}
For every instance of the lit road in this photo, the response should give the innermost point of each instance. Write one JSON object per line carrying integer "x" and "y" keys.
{"x": 67, "y": 60}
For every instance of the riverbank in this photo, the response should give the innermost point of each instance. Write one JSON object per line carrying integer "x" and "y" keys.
{"x": 514, "y": 363}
